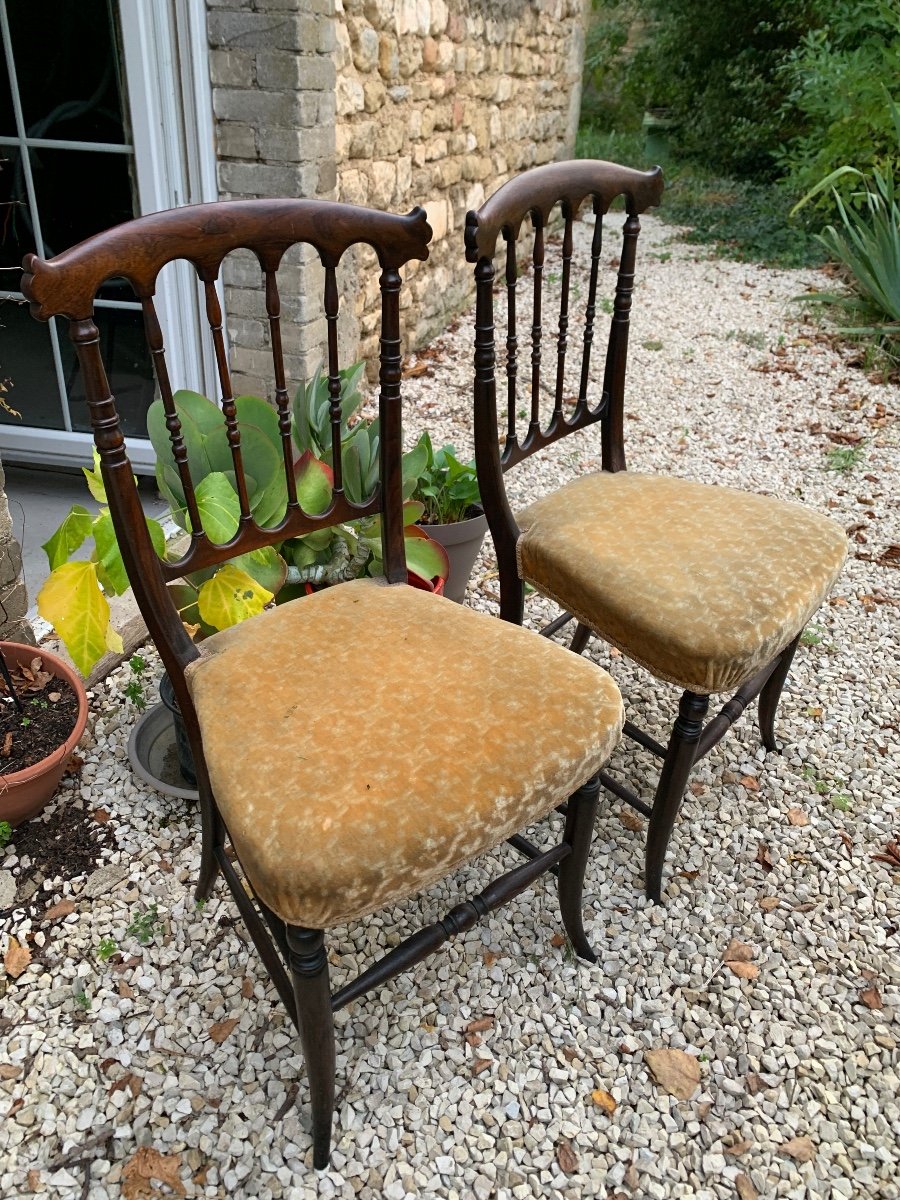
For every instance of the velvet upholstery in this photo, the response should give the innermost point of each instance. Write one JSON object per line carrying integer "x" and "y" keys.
{"x": 702, "y": 585}
{"x": 365, "y": 740}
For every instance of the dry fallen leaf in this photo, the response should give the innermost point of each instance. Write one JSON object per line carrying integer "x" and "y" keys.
{"x": 763, "y": 857}
{"x": 744, "y": 970}
{"x": 738, "y": 952}
{"x": 737, "y": 1148}
{"x": 16, "y": 959}
{"x": 745, "y": 1189}
{"x": 247, "y": 988}
{"x": 703, "y": 1110}
{"x": 101, "y": 816}
{"x": 125, "y": 990}
{"x": 566, "y": 1157}
{"x": 35, "y": 1180}
{"x": 748, "y": 781}
{"x": 871, "y": 998}
{"x": 481, "y": 1025}
{"x": 769, "y": 903}
{"x": 800, "y": 1149}
{"x": 7, "y": 745}
{"x": 798, "y": 816}
{"x": 698, "y": 789}
{"x": 221, "y": 1029}
{"x": 754, "y": 1083}
{"x": 631, "y": 820}
{"x": 57, "y": 911}
{"x": 8, "y": 1071}
{"x": 146, "y": 1164}
{"x": 676, "y": 1072}
{"x": 481, "y": 1064}
{"x": 604, "y": 1100}
{"x": 558, "y": 939}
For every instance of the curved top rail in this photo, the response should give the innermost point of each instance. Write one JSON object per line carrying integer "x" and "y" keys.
{"x": 538, "y": 190}
{"x": 204, "y": 234}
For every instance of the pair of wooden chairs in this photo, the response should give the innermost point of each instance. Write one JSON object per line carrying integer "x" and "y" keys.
{"x": 277, "y": 708}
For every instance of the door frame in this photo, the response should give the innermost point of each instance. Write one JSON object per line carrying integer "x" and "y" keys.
{"x": 165, "y": 55}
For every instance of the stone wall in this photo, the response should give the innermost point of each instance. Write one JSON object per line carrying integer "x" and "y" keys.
{"x": 388, "y": 103}
{"x": 14, "y": 626}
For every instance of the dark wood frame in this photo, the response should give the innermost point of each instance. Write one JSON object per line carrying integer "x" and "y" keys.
{"x": 535, "y": 195}
{"x": 66, "y": 286}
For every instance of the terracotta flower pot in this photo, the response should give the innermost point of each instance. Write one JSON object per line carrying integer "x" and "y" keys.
{"x": 24, "y": 793}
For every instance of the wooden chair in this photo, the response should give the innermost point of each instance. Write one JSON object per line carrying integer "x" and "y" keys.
{"x": 704, "y": 586}
{"x": 345, "y": 771}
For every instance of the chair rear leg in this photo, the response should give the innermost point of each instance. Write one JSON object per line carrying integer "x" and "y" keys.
{"x": 680, "y": 755}
{"x": 580, "y": 638}
{"x": 771, "y": 694}
{"x": 580, "y": 817}
{"x": 213, "y": 839}
{"x": 312, "y": 994}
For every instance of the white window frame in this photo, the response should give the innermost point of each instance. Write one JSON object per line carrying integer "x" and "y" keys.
{"x": 165, "y": 51}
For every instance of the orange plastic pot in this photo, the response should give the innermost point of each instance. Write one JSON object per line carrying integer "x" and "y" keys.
{"x": 24, "y": 793}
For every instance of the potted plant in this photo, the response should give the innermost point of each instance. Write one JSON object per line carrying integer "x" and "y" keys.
{"x": 448, "y": 491}
{"x": 43, "y": 712}
{"x": 74, "y": 596}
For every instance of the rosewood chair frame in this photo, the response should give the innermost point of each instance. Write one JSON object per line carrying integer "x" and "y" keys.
{"x": 204, "y": 235}
{"x": 535, "y": 195}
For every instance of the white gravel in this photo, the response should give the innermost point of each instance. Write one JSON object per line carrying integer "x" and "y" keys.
{"x": 99, "y": 1058}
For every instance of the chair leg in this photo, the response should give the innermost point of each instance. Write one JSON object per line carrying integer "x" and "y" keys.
{"x": 673, "y": 779}
{"x": 213, "y": 839}
{"x": 580, "y": 817}
{"x": 580, "y": 638}
{"x": 315, "y": 1020}
{"x": 771, "y": 694}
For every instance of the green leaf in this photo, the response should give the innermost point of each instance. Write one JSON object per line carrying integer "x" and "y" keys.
{"x": 110, "y": 568}
{"x": 95, "y": 483}
{"x": 71, "y": 600}
{"x": 71, "y": 534}
{"x": 231, "y": 596}
{"x": 219, "y": 508}
{"x": 157, "y": 537}
{"x": 265, "y": 565}
{"x": 314, "y": 484}
{"x": 424, "y": 556}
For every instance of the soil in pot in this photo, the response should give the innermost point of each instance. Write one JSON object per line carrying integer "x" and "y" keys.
{"x": 50, "y": 710}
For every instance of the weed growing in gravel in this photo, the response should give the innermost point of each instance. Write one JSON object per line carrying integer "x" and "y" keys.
{"x": 134, "y": 688}
{"x": 652, "y": 345}
{"x": 747, "y": 337}
{"x": 828, "y": 787}
{"x": 844, "y": 458}
{"x": 812, "y": 636}
{"x": 106, "y": 949}
{"x": 82, "y": 1000}
{"x": 5, "y": 834}
{"x": 143, "y": 925}
{"x": 606, "y": 305}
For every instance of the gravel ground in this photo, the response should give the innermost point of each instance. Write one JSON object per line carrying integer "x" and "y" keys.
{"x": 501, "y": 1067}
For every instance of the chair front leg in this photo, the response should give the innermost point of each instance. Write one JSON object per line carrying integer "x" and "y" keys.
{"x": 680, "y": 755}
{"x": 580, "y": 638}
{"x": 771, "y": 694}
{"x": 312, "y": 994}
{"x": 581, "y": 814}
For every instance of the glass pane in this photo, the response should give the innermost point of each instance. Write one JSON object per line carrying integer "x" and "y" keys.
{"x": 128, "y": 369}
{"x": 66, "y": 94}
{"x": 26, "y": 369}
{"x": 7, "y": 116}
{"x": 79, "y": 193}
{"x": 16, "y": 229}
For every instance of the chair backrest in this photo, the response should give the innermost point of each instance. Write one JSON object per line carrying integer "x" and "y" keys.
{"x": 204, "y": 235}
{"x": 502, "y": 219}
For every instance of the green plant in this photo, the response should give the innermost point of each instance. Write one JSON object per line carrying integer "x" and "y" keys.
{"x": 867, "y": 244}
{"x": 82, "y": 1000}
{"x": 811, "y": 636}
{"x": 143, "y": 925}
{"x": 106, "y": 949}
{"x": 5, "y": 834}
{"x": 446, "y": 487}
{"x": 844, "y": 458}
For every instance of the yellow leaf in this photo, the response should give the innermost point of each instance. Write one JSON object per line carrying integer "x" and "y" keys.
{"x": 16, "y": 959}
{"x": 71, "y": 600}
{"x": 231, "y": 596}
{"x": 604, "y": 1100}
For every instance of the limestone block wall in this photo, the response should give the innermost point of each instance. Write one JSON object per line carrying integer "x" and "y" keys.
{"x": 388, "y": 103}
{"x": 438, "y": 103}
{"x": 14, "y": 626}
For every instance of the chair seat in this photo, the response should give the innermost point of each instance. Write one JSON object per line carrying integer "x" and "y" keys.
{"x": 346, "y": 732}
{"x": 702, "y": 585}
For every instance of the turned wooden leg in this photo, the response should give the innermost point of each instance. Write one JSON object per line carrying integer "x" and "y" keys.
{"x": 771, "y": 694}
{"x": 580, "y": 638}
{"x": 673, "y": 779}
{"x": 580, "y": 817}
{"x": 213, "y": 839}
{"x": 312, "y": 994}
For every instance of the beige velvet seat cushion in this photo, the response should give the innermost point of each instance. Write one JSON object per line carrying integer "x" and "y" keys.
{"x": 364, "y": 741}
{"x": 702, "y": 585}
